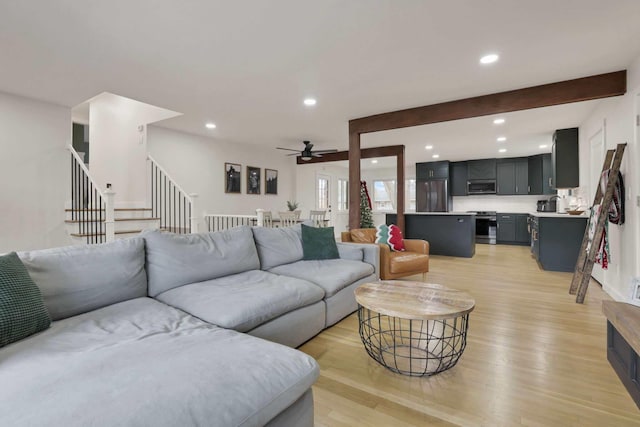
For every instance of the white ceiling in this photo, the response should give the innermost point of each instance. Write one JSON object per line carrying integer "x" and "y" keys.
{"x": 247, "y": 65}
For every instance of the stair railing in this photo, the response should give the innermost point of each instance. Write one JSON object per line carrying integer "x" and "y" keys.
{"x": 169, "y": 202}
{"x": 219, "y": 222}
{"x": 91, "y": 209}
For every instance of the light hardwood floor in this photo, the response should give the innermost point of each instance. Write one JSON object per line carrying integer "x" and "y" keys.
{"x": 534, "y": 357}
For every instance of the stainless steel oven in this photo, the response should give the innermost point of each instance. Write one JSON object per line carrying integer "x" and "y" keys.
{"x": 486, "y": 227}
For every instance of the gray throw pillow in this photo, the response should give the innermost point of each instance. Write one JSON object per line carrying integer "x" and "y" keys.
{"x": 22, "y": 311}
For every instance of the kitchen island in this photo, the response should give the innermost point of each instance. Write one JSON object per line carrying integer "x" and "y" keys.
{"x": 448, "y": 233}
{"x": 556, "y": 239}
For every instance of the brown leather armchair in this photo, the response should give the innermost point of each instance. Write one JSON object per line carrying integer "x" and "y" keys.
{"x": 393, "y": 265}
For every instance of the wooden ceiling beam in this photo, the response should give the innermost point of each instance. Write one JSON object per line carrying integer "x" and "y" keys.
{"x": 565, "y": 92}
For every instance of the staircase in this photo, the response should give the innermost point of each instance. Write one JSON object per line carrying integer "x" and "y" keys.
{"x": 91, "y": 216}
{"x": 91, "y": 229}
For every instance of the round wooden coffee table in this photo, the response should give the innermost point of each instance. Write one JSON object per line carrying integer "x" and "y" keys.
{"x": 413, "y": 328}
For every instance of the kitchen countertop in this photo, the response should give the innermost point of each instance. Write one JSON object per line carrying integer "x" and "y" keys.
{"x": 436, "y": 213}
{"x": 558, "y": 215}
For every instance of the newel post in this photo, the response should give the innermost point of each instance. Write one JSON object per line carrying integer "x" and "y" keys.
{"x": 194, "y": 220}
{"x": 109, "y": 222}
{"x": 260, "y": 213}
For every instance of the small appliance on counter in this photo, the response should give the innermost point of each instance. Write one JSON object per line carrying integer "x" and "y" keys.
{"x": 547, "y": 205}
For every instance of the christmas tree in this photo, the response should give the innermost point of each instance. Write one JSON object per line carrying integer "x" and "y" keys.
{"x": 365, "y": 207}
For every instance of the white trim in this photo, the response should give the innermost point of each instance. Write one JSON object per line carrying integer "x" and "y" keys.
{"x": 74, "y": 153}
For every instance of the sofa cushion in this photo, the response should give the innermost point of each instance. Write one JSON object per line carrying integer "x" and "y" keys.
{"x": 332, "y": 275}
{"x": 318, "y": 243}
{"x": 142, "y": 362}
{"x": 243, "y": 301}
{"x": 77, "y": 279}
{"x": 179, "y": 259}
{"x": 350, "y": 251}
{"x": 363, "y": 235}
{"x": 277, "y": 246}
{"x": 22, "y": 311}
{"x": 407, "y": 262}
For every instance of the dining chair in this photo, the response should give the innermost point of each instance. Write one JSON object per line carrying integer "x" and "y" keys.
{"x": 267, "y": 219}
{"x": 287, "y": 219}
{"x": 318, "y": 218}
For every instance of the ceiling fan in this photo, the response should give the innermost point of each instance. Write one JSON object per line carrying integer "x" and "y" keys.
{"x": 307, "y": 153}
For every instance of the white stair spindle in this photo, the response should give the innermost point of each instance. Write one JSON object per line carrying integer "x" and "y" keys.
{"x": 109, "y": 222}
{"x": 194, "y": 208}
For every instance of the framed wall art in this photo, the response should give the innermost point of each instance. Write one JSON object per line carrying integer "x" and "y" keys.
{"x": 232, "y": 175}
{"x": 253, "y": 180}
{"x": 270, "y": 181}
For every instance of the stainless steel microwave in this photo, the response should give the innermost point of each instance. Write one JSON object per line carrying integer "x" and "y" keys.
{"x": 481, "y": 186}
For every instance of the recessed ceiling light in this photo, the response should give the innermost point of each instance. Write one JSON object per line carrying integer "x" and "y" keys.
{"x": 543, "y": 146}
{"x": 428, "y": 147}
{"x": 502, "y": 150}
{"x": 498, "y": 121}
{"x": 374, "y": 161}
{"x": 501, "y": 139}
{"x": 309, "y": 102}
{"x": 436, "y": 156}
{"x": 489, "y": 59}
{"x": 210, "y": 125}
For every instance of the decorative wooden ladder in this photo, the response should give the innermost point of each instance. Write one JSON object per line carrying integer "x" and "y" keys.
{"x": 584, "y": 265}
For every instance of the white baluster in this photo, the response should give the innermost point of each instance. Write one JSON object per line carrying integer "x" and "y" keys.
{"x": 194, "y": 216}
{"x": 109, "y": 222}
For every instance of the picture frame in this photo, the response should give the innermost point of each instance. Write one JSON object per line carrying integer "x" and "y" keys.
{"x": 270, "y": 181}
{"x": 232, "y": 178}
{"x": 253, "y": 180}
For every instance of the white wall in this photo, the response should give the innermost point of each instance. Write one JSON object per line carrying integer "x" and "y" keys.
{"x": 618, "y": 116}
{"x": 197, "y": 165}
{"x": 34, "y": 173}
{"x": 117, "y": 135}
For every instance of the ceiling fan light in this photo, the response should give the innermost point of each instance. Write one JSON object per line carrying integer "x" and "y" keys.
{"x": 305, "y": 158}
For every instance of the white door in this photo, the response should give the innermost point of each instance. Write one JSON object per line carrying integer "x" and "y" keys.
{"x": 341, "y": 207}
{"x": 323, "y": 195}
{"x": 597, "y": 149}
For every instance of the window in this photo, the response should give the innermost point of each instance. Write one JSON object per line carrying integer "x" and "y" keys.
{"x": 410, "y": 195}
{"x": 384, "y": 195}
{"x": 343, "y": 194}
{"x": 323, "y": 193}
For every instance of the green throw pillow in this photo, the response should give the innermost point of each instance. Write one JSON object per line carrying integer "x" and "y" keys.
{"x": 318, "y": 243}
{"x": 22, "y": 311}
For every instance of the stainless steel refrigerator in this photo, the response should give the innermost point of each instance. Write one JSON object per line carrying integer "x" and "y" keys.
{"x": 433, "y": 196}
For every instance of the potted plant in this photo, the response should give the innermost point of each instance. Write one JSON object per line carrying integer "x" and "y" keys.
{"x": 292, "y": 205}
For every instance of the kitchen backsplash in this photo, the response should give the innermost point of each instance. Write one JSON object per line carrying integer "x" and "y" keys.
{"x": 506, "y": 204}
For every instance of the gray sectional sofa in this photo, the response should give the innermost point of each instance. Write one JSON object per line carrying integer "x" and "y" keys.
{"x": 178, "y": 330}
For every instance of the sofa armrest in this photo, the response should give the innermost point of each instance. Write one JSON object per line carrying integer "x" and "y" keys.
{"x": 415, "y": 245}
{"x": 370, "y": 252}
{"x": 345, "y": 236}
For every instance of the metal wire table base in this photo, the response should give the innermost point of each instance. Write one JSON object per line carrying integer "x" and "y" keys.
{"x": 413, "y": 347}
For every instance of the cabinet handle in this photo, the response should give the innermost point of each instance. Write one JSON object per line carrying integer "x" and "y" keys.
{"x": 506, "y": 216}
{"x": 528, "y": 189}
{"x": 550, "y": 185}
{"x": 516, "y": 188}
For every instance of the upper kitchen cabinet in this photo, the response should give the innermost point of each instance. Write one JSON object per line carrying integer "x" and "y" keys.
{"x": 432, "y": 170}
{"x": 458, "y": 175}
{"x": 512, "y": 176}
{"x": 540, "y": 174}
{"x": 565, "y": 159}
{"x": 481, "y": 169}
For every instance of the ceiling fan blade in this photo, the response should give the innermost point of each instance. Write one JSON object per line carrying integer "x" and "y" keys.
{"x": 294, "y": 154}
{"x": 288, "y": 149}
{"x": 315, "y": 154}
{"x": 326, "y": 151}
